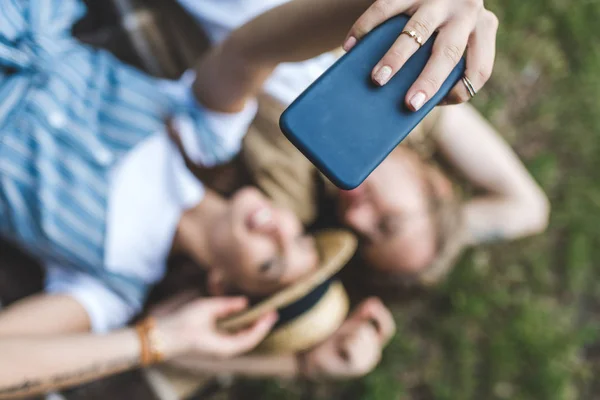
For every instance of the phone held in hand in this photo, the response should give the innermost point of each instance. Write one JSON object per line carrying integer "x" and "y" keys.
{"x": 345, "y": 124}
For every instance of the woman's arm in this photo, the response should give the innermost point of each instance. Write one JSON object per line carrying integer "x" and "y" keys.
{"x": 295, "y": 31}
{"x": 514, "y": 205}
{"x": 252, "y": 366}
{"x": 302, "y": 29}
{"x": 38, "y": 355}
{"x": 352, "y": 351}
{"x": 44, "y": 314}
{"x": 37, "y": 364}
{"x": 44, "y": 346}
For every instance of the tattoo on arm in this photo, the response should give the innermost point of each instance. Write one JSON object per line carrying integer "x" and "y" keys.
{"x": 95, "y": 371}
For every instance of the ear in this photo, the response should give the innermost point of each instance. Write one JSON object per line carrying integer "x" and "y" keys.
{"x": 216, "y": 282}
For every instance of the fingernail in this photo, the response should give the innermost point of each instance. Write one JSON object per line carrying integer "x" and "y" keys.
{"x": 382, "y": 75}
{"x": 418, "y": 100}
{"x": 349, "y": 43}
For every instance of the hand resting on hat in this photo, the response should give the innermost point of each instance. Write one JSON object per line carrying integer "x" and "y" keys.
{"x": 352, "y": 351}
{"x": 193, "y": 328}
{"x": 355, "y": 349}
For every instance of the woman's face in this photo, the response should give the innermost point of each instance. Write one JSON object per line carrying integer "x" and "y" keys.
{"x": 390, "y": 213}
{"x": 260, "y": 247}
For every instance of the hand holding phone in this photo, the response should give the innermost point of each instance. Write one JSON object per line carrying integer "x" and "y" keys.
{"x": 345, "y": 124}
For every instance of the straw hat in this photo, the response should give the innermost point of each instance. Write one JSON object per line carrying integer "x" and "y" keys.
{"x": 311, "y": 309}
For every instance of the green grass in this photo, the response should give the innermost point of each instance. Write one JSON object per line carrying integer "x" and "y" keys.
{"x": 515, "y": 321}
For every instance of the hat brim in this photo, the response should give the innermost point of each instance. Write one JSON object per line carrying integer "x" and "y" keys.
{"x": 335, "y": 248}
{"x": 312, "y": 327}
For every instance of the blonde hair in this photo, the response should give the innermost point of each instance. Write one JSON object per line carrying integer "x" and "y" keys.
{"x": 450, "y": 237}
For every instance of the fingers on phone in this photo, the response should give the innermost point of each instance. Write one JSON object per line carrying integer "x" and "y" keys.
{"x": 419, "y": 29}
{"x": 448, "y": 49}
{"x": 481, "y": 54}
{"x": 379, "y": 12}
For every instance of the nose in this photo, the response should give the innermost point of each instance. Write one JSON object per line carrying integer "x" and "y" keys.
{"x": 360, "y": 221}
{"x": 286, "y": 229}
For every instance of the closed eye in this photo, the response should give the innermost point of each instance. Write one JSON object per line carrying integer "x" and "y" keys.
{"x": 272, "y": 270}
{"x": 266, "y": 267}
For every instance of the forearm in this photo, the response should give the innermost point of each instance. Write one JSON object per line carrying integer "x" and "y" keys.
{"x": 490, "y": 219}
{"x": 36, "y": 315}
{"x": 283, "y": 366}
{"x": 296, "y": 31}
{"x": 33, "y": 365}
{"x": 474, "y": 147}
{"x": 512, "y": 204}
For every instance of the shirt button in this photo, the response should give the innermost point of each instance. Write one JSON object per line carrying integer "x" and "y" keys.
{"x": 105, "y": 157}
{"x": 57, "y": 120}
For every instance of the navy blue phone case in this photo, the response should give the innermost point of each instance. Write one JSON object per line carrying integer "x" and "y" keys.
{"x": 345, "y": 124}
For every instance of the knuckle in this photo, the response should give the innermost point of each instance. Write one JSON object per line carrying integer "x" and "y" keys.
{"x": 375, "y": 302}
{"x": 381, "y": 9}
{"x": 452, "y": 52}
{"x": 484, "y": 73}
{"x": 473, "y": 5}
{"x": 397, "y": 55}
{"x": 431, "y": 84}
{"x": 368, "y": 366}
{"x": 491, "y": 19}
{"x": 361, "y": 370}
{"x": 359, "y": 30}
{"x": 423, "y": 27}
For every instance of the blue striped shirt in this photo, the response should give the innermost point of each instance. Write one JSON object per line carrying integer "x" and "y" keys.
{"x": 68, "y": 114}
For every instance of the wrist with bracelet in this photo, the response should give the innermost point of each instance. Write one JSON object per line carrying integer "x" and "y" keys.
{"x": 151, "y": 343}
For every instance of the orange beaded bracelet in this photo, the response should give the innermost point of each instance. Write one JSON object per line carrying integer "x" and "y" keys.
{"x": 150, "y": 342}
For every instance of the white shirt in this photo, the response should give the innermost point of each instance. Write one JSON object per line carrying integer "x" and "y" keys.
{"x": 150, "y": 189}
{"x": 140, "y": 233}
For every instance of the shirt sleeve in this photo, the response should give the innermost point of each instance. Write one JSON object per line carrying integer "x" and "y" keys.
{"x": 209, "y": 137}
{"x": 33, "y": 29}
{"x": 218, "y": 17}
{"x": 106, "y": 310}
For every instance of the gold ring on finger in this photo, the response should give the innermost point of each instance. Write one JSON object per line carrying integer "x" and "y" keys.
{"x": 413, "y": 34}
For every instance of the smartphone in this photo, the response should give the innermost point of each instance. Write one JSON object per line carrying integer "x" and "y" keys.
{"x": 345, "y": 124}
